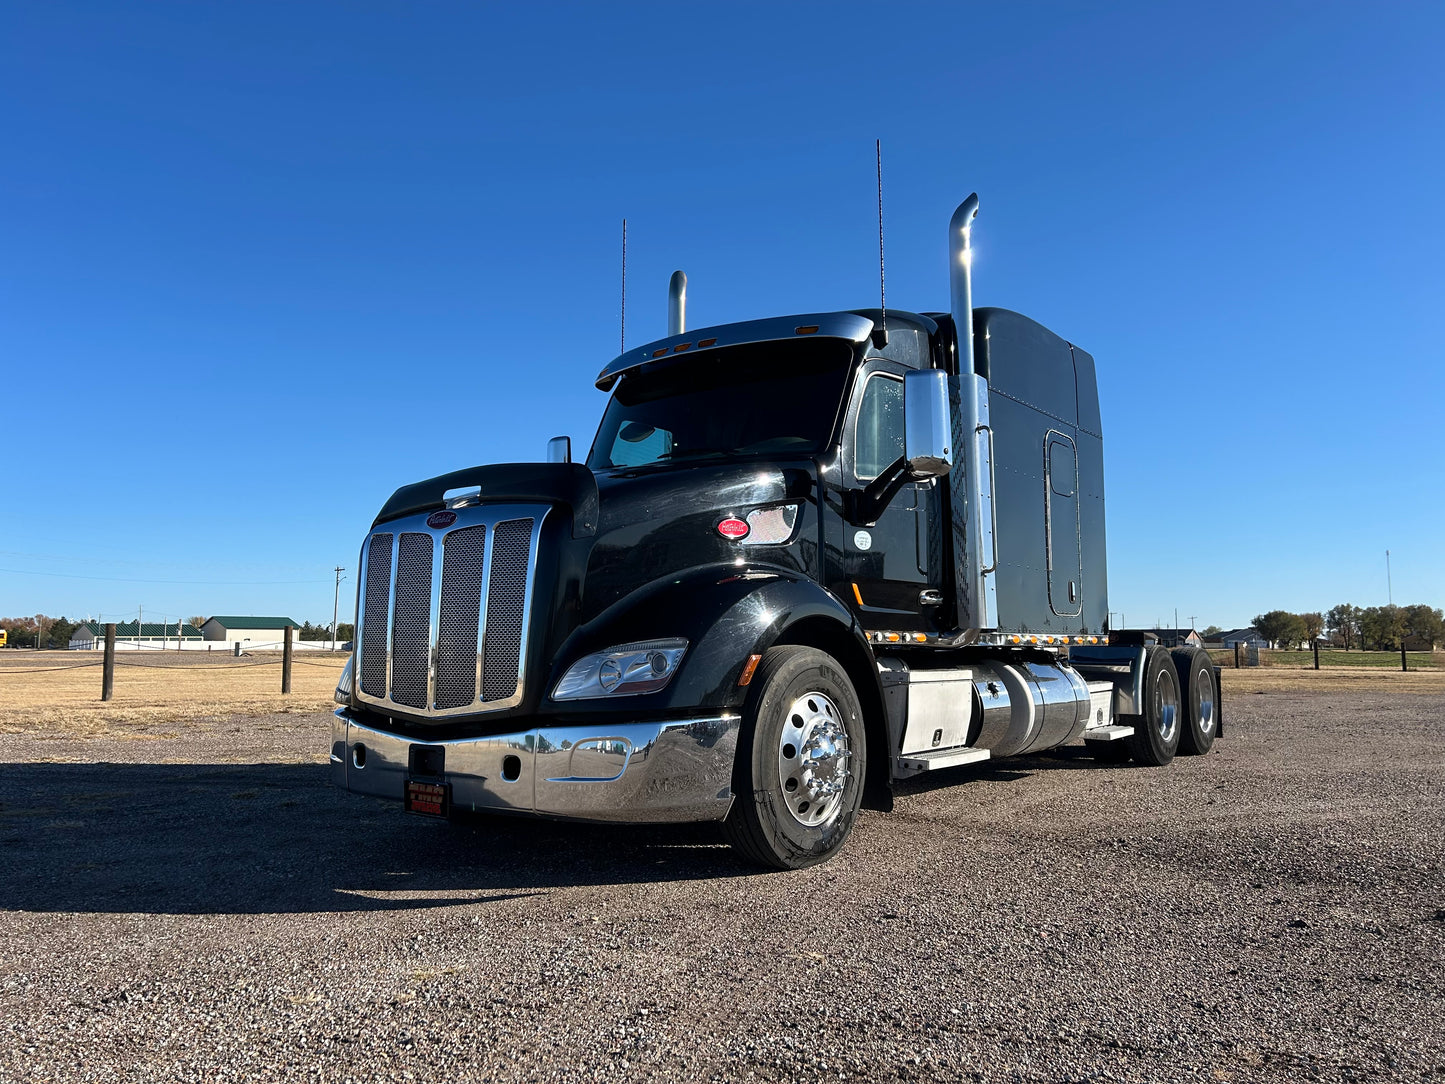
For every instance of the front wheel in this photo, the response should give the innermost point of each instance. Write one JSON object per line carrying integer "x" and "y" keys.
{"x": 801, "y": 761}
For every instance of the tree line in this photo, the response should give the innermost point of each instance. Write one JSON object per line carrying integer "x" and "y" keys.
{"x": 1369, "y": 628}
{"x": 55, "y": 632}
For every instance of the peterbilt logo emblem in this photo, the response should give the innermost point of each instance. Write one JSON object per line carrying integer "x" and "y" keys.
{"x": 441, "y": 519}
{"x": 733, "y": 528}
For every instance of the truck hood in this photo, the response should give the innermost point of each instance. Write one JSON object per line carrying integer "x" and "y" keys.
{"x": 653, "y": 521}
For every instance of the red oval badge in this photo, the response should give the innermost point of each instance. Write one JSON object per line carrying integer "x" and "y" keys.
{"x": 733, "y": 528}
{"x": 441, "y": 519}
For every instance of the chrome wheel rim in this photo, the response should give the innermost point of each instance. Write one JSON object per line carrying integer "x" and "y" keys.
{"x": 813, "y": 758}
{"x": 1204, "y": 701}
{"x": 1166, "y": 707}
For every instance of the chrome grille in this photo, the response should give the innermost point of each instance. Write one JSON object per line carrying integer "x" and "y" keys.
{"x": 443, "y": 616}
{"x": 463, "y": 569}
{"x": 374, "y": 605}
{"x": 505, "y": 596}
{"x": 411, "y": 620}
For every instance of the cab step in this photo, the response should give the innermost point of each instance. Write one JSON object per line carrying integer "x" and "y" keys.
{"x": 1108, "y": 733}
{"x": 934, "y": 759}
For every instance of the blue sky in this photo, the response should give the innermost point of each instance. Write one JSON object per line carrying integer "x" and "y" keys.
{"x": 261, "y": 264}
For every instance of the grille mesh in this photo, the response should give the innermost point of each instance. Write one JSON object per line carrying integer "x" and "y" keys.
{"x": 411, "y": 621}
{"x": 373, "y": 615}
{"x": 464, "y": 560}
{"x": 511, "y": 547}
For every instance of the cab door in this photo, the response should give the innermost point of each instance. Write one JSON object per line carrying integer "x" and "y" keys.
{"x": 889, "y": 572}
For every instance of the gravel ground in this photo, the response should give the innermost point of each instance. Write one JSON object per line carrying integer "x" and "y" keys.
{"x": 205, "y": 908}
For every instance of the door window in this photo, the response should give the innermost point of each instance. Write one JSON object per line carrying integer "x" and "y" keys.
{"x": 878, "y": 437}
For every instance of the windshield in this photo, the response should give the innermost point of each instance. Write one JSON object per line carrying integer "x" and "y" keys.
{"x": 777, "y": 399}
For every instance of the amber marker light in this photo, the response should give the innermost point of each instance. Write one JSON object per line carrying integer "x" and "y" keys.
{"x": 806, "y": 329}
{"x": 705, "y": 342}
{"x": 857, "y": 595}
{"x": 919, "y": 638}
{"x": 680, "y": 347}
{"x": 659, "y": 353}
{"x": 748, "y": 668}
{"x": 892, "y": 637}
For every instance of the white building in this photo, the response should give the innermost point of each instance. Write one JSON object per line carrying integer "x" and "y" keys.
{"x": 251, "y": 631}
{"x": 90, "y": 635}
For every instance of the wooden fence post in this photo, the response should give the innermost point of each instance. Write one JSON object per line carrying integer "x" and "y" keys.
{"x": 1317, "y": 654}
{"x": 1404, "y": 662}
{"x": 107, "y": 670}
{"x": 286, "y": 663}
{"x": 1236, "y": 654}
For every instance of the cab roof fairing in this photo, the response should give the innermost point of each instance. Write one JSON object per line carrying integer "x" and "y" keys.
{"x": 830, "y": 325}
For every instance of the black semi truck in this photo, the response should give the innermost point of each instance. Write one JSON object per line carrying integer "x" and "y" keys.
{"x": 806, "y": 557}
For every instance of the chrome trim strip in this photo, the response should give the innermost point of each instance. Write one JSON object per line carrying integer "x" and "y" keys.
{"x": 438, "y": 555}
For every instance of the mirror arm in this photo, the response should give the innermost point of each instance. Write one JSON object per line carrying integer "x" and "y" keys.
{"x": 864, "y": 506}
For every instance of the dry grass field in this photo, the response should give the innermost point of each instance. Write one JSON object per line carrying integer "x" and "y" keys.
{"x": 58, "y": 693}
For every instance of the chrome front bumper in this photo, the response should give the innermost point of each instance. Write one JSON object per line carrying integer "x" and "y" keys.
{"x": 678, "y": 770}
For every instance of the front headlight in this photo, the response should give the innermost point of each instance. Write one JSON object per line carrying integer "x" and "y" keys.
{"x": 624, "y": 670}
{"x": 343, "y": 684}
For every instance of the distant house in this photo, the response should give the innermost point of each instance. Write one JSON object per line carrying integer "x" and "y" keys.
{"x": 1178, "y": 637}
{"x": 252, "y": 630}
{"x": 1243, "y": 637}
{"x": 90, "y": 635}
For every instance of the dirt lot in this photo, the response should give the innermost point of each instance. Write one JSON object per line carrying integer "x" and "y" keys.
{"x": 185, "y": 899}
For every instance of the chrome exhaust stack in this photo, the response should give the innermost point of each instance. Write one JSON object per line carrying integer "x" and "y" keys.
{"x": 972, "y": 487}
{"x": 677, "y": 304}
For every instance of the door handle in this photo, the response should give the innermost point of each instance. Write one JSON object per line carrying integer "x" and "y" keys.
{"x": 930, "y": 597}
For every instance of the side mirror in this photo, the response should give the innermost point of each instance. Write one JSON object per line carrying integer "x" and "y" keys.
{"x": 927, "y": 427}
{"x": 559, "y": 450}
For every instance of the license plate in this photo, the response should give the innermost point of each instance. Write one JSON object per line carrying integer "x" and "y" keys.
{"x": 428, "y": 799}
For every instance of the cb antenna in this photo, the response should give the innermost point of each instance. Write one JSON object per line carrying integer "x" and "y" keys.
{"x": 880, "y": 334}
{"x": 624, "y": 288}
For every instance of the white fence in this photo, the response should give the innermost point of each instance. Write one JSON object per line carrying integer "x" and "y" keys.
{"x": 217, "y": 647}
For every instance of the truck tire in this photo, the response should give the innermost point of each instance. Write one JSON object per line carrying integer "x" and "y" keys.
{"x": 801, "y": 761}
{"x": 1156, "y": 734}
{"x": 1200, "y": 702}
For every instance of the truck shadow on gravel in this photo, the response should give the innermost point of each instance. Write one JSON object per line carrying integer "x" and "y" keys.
{"x": 276, "y": 838}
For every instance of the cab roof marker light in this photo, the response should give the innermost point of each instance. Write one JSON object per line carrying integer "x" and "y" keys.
{"x": 659, "y": 353}
{"x": 706, "y": 342}
{"x": 680, "y": 347}
{"x": 806, "y": 329}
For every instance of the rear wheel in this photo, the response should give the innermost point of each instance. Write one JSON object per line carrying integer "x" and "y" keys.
{"x": 1196, "y": 680}
{"x": 801, "y": 761}
{"x": 1156, "y": 734}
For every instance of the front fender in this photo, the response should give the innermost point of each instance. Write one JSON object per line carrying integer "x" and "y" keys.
{"x": 724, "y": 612}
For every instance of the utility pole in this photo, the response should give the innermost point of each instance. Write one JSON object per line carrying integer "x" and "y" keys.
{"x": 335, "y": 601}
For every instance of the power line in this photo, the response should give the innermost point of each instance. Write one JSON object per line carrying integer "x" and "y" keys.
{"x": 132, "y": 579}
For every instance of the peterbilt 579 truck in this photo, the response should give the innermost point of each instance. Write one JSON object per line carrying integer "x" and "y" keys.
{"x": 806, "y": 557}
